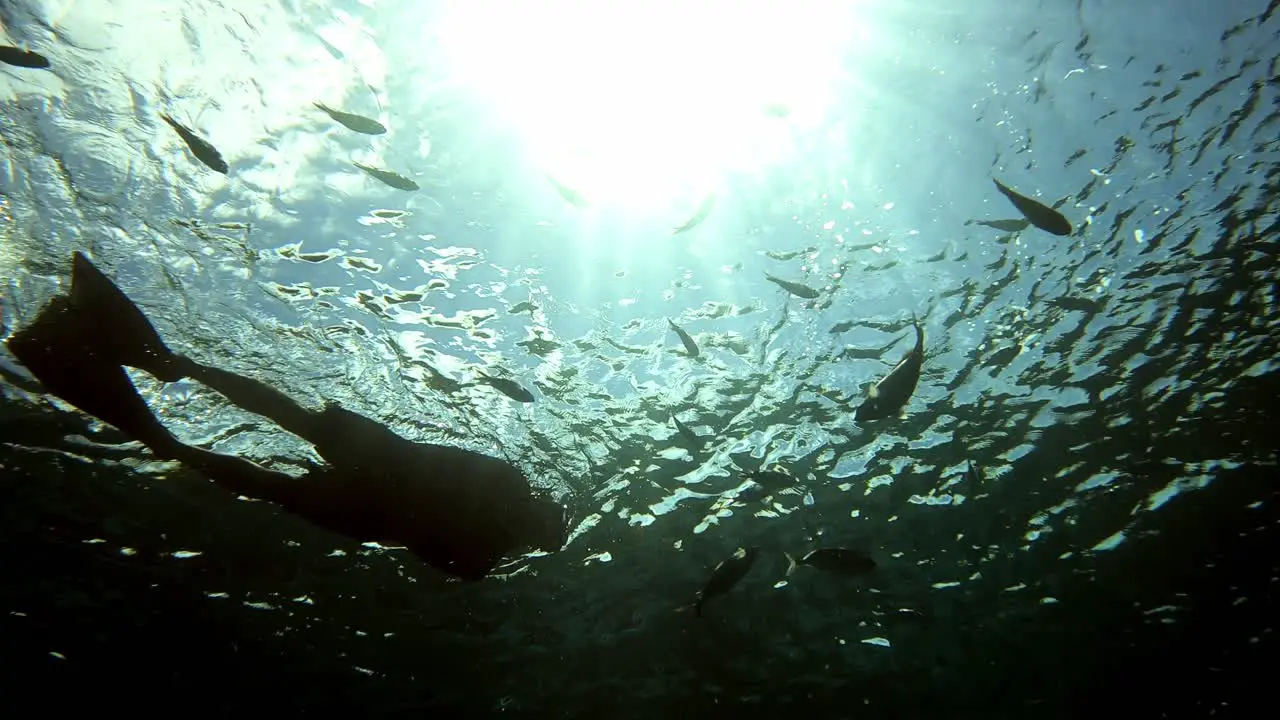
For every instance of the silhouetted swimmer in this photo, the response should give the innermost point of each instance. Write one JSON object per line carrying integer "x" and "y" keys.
{"x": 459, "y": 511}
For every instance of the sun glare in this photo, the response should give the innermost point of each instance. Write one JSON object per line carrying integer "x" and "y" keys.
{"x": 643, "y": 104}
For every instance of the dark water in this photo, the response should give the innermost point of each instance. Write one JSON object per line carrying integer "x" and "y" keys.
{"x": 1115, "y": 387}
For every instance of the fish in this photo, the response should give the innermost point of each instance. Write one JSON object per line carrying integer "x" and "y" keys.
{"x": 1010, "y": 225}
{"x": 510, "y": 388}
{"x": 794, "y": 288}
{"x": 358, "y": 123}
{"x": 571, "y": 196}
{"x": 840, "y": 561}
{"x": 725, "y": 576}
{"x": 704, "y": 209}
{"x": 204, "y": 151}
{"x": 773, "y": 477}
{"x": 1077, "y": 304}
{"x": 752, "y": 492}
{"x": 1039, "y": 214}
{"x": 973, "y": 476}
{"x": 690, "y": 346}
{"x": 790, "y": 254}
{"x": 386, "y": 177}
{"x": 890, "y": 395}
{"x": 18, "y": 57}
{"x": 684, "y": 430}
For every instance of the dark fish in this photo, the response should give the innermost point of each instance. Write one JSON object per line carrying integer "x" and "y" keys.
{"x": 698, "y": 216}
{"x": 684, "y": 430}
{"x": 1080, "y": 304}
{"x": 841, "y": 561}
{"x": 23, "y": 58}
{"x": 359, "y": 123}
{"x": 725, "y": 576}
{"x": 201, "y": 148}
{"x": 789, "y": 254}
{"x": 386, "y": 177}
{"x": 973, "y": 477}
{"x": 890, "y": 395}
{"x": 690, "y": 346}
{"x": 510, "y": 388}
{"x": 573, "y": 197}
{"x": 754, "y": 491}
{"x": 1011, "y": 225}
{"x": 773, "y": 477}
{"x": 794, "y": 288}
{"x": 1040, "y": 215}
{"x": 333, "y": 51}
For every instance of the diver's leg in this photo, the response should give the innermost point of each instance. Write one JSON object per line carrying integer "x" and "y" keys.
{"x": 323, "y": 497}
{"x": 241, "y": 476}
{"x": 112, "y": 326}
{"x": 114, "y": 329}
{"x": 342, "y": 437}
{"x": 256, "y": 397}
{"x": 53, "y": 348}
{"x": 118, "y": 331}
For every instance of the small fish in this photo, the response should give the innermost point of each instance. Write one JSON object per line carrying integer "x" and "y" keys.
{"x": 386, "y": 177}
{"x": 510, "y": 388}
{"x": 690, "y": 346}
{"x": 773, "y": 477}
{"x": 789, "y": 254}
{"x": 1040, "y": 215}
{"x": 725, "y": 576}
{"x": 973, "y": 475}
{"x": 684, "y": 430}
{"x": 1077, "y": 304}
{"x": 841, "y": 561}
{"x": 201, "y": 148}
{"x": 890, "y": 395}
{"x": 794, "y": 288}
{"x": 23, "y": 58}
{"x": 390, "y": 214}
{"x": 751, "y": 492}
{"x": 699, "y": 215}
{"x": 571, "y": 196}
{"x": 1010, "y": 225}
{"x": 359, "y": 123}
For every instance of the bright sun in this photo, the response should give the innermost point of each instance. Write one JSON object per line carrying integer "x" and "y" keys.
{"x": 636, "y": 103}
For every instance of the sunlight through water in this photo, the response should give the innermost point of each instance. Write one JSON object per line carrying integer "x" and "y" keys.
{"x": 638, "y": 106}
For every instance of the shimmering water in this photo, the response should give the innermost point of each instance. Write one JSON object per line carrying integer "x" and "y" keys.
{"x": 1113, "y": 387}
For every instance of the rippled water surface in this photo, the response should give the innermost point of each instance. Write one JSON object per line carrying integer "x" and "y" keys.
{"x": 1111, "y": 389}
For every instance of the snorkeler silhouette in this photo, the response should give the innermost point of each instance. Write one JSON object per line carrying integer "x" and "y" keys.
{"x": 459, "y": 511}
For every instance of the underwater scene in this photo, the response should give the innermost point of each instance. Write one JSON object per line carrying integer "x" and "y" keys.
{"x": 568, "y": 359}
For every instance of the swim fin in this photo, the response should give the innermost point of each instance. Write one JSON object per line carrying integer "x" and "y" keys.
{"x": 114, "y": 327}
{"x": 54, "y": 349}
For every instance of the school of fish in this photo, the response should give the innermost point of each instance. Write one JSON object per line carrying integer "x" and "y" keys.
{"x": 886, "y": 400}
